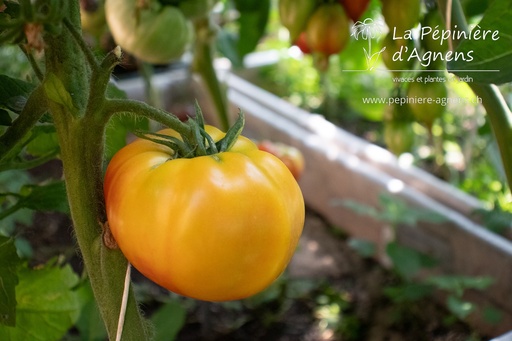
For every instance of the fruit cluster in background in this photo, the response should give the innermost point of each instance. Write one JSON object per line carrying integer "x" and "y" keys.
{"x": 321, "y": 28}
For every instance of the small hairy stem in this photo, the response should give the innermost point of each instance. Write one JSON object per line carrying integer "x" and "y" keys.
{"x": 98, "y": 86}
{"x": 114, "y": 106}
{"x": 33, "y": 62}
{"x": 29, "y": 164}
{"x": 77, "y": 36}
{"x": 203, "y": 65}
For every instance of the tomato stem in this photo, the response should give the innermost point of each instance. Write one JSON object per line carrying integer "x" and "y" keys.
{"x": 203, "y": 64}
{"x": 80, "y": 118}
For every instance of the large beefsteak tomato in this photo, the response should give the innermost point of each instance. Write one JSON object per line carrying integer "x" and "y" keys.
{"x": 216, "y": 227}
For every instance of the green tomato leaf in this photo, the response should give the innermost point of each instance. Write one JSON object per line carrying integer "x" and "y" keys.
{"x": 9, "y": 261}
{"x": 253, "y": 22}
{"x": 459, "y": 308}
{"x": 168, "y": 320}
{"x": 407, "y": 261}
{"x": 43, "y": 139}
{"x": 56, "y": 91}
{"x": 5, "y": 118}
{"x": 14, "y": 93}
{"x": 492, "y": 59}
{"x": 114, "y": 92}
{"x": 49, "y": 197}
{"x": 458, "y": 284}
{"x": 363, "y": 247}
{"x": 408, "y": 292}
{"x": 226, "y": 44}
{"x": 117, "y": 131}
{"x": 47, "y": 304}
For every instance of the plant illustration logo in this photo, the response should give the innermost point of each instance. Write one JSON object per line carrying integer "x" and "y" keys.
{"x": 367, "y": 30}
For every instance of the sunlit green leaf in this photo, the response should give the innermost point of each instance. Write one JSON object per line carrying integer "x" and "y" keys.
{"x": 43, "y": 140}
{"x": 47, "y": 304}
{"x": 492, "y": 59}
{"x": 56, "y": 91}
{"x": 459, "y": 308}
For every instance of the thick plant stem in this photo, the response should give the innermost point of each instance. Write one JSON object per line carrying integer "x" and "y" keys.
{"x": 499, "y": 114}
{"x": 81, "y": 153}
{"x": 81, "y": 139}
{"x": 203, "y": 65}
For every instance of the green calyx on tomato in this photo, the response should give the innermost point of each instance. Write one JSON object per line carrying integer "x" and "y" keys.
{"x": 153, "y": 33}
{"x": 214, "y": 227}
{"x": 195, "y": 141}
{"x": 294, "y": 15}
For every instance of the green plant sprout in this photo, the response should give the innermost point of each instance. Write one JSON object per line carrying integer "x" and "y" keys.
{"x": 408, "y": 263}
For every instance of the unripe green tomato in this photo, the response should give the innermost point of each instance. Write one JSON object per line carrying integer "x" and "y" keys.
{"x": 193, "y": 9}
{"x": 420, "y": 94}
{"x": 401, "y": 15}
{"x": 396, "y": 54}
{"x": 154, "y": 34}
{"x": 294, "y": 15}
{"x": 93, "y": 22}
{"x": 399, "y": 136}
{"x": 431, "y": 22}
{"x": 328, "y": 30}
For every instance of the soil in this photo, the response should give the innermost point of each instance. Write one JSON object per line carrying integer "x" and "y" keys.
{"x": 337, "y": 276}
{"x": 328, "y": 292}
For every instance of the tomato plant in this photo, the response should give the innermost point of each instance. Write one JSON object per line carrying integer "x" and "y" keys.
{"x": 144, "y": 30}
{"x": 230, "y": 220}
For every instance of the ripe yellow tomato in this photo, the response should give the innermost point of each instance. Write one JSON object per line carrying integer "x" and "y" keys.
{"x": 215, "y": 228}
